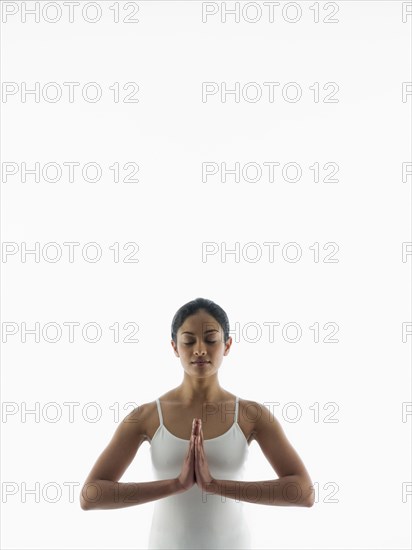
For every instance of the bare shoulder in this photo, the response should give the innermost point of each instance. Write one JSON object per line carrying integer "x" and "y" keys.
{"x": 260, "y": 414}
{"x": 138, "y": 419}
{"x": 258, "y": 419}
{"x": 150, "y": 419}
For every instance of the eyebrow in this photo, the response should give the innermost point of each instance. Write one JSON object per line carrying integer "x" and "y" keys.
{"x": 206, "y": 331}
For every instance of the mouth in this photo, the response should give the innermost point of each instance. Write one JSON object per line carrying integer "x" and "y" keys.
{"x": 200, "y": 362}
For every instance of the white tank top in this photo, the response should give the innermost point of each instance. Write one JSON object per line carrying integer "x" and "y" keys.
{"x": 196, "y": 519}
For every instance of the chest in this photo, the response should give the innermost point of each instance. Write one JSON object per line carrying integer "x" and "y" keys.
{"x": 217, "y": 420}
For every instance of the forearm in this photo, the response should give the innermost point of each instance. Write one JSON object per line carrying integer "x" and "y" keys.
{"x": 290, "y": 490}
{"x": 102, "y": 494}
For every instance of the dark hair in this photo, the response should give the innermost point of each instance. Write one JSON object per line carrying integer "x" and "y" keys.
{"x": 193, "y": 307}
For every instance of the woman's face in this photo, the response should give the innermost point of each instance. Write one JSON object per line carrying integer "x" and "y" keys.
{"x": 201, "y": 338}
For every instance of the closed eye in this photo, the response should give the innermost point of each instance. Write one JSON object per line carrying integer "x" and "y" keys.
{"x": 191, "y": 343}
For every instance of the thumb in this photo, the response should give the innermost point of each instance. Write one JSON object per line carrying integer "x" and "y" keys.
{"x": 196, "y": 426}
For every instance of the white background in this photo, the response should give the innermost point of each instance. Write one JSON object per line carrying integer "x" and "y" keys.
{"x": 361, "y": 462}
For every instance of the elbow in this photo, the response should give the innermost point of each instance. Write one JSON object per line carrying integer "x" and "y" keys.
{"x": 306, "y": 492}
{"x": 83, "y": 504}
{"x": 309, "y": 503}
{"x": 310, "y": 499}
{"x": 89, "y": 495}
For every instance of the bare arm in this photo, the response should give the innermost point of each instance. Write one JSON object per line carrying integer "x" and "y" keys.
{"x": 293, "y": 487}
{"x": 102, "y": 490}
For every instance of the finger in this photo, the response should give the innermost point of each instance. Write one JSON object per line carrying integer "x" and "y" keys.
{"x": 192, "y": 453}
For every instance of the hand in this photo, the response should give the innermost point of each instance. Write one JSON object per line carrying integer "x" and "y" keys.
{"x": 187, "y": 477}
{"x": 202, "y": 473}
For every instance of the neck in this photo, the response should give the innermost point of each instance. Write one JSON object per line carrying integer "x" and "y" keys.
{"x": 200, "y": 390}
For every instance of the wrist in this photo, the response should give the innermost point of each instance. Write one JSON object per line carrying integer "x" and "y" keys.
{"x": 178, "y": 487}
{"x": 212, "y": 486}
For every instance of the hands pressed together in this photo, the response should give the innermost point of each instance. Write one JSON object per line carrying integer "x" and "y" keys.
{"x": 195, "y": 468}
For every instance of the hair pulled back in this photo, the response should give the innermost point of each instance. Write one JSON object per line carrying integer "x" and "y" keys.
{"x": 193, "y": 307}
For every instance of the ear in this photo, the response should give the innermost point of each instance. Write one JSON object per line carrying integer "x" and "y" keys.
{"x": 174, "y": 348}
{"x": 227, "y": 345}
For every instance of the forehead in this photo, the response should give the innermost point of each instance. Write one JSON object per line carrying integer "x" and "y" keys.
{"x": 200, "y": 322}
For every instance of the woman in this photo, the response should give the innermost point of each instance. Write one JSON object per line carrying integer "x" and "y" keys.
{"x": 199, "y": 435}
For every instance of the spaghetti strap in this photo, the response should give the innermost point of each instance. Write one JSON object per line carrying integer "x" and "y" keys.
{"x": 159, "y": 410}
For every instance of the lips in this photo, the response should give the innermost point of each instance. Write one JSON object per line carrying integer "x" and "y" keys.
{"x": 200, "y": 362}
